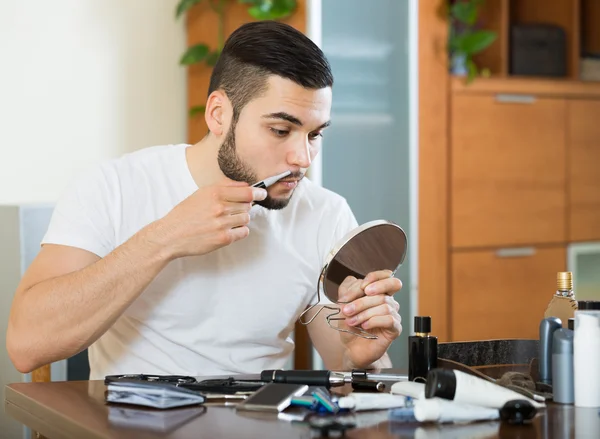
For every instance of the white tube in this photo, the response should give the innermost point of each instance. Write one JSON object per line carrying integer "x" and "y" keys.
{"x": 409, "y": 388}
{"x": 586, "y": 358}
{"x": 469, "y": 389}
{"x": 371, "y": 401}
{"x": 442, "y": 410}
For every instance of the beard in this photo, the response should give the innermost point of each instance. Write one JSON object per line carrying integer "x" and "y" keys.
{"x": 236, "y": 169}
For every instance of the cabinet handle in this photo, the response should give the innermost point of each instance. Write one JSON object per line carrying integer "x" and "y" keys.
{"x": 519, "y": 252}
{"x": 515, "y": 99}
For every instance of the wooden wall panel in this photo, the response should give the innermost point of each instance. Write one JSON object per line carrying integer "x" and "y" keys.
{"x": 202, "y": 27}
{"x": 433, "y": 166}
{"x": 502, "y": 297}
{"x": 41, "y": 374}
{"x": 584, "y": 170}
{"x": 508, "y": 171}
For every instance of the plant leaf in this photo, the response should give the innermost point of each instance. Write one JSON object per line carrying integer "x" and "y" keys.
{"x": 198, "y": 109}
{"x": 194, "y": 54}
{"x": 475, "y": 42}
{"x": 465, "y": 12}
{"x": 184, "y": 6}
{"x": 272, "y": 9}
{"x": 212, "y": 58}
{"x": 480, "y": 40}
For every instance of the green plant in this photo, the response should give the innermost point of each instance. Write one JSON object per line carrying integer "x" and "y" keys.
{"x": 257, "y": 9}
{"x": 465, "y": 39}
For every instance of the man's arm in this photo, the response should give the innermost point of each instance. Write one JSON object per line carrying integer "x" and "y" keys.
{"x": 69, "y": 297}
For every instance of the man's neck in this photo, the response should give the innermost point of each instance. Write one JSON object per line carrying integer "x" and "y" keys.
{"x": 202, "y": 162}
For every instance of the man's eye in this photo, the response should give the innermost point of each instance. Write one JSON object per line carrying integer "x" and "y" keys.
{"x": 313, "y": 136}
{"x": 279, "y": 133}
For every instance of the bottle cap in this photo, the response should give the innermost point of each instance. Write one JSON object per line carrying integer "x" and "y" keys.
{"x": 423, "y": 324}
{"x": 588, "y": 304}
{"x": 571, "y": 324}
{"x": 564, "y": 280}
{"x": 440, "y": 383}
{"x": 562, "y": 342}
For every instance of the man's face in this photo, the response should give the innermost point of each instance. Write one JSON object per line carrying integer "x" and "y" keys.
{"x": 276, "y": 132}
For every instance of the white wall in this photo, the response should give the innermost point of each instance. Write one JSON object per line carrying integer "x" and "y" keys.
{"x": 82, "y": 81}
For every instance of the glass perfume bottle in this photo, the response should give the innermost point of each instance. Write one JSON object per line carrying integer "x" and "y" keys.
{"x": 422, "y": 350}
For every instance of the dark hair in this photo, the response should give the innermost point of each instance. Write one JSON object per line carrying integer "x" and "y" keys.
{"x": 259, "y": 49}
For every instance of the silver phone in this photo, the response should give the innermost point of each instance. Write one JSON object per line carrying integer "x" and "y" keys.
{"x": 272, "y": 397}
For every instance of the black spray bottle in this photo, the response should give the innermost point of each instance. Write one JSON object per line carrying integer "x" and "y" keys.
{"x": 422, "y": 350}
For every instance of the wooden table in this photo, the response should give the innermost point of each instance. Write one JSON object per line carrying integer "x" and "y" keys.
{"x": 76, "y": 409}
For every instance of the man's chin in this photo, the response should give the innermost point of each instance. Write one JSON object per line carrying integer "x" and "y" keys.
{"x": 274, "y": 203}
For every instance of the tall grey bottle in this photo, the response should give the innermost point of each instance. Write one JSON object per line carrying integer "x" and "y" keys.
{"x": 563, "y": 372}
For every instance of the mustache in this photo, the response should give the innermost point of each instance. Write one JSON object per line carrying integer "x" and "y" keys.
{"x": 294, "y": 176}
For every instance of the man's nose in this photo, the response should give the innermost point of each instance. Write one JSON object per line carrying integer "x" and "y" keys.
{"x": 300, "y": 155}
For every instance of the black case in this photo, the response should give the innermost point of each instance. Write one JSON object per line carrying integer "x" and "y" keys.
{"x": 538, "y": 50}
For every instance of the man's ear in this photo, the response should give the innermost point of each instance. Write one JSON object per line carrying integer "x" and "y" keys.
{"x": 216, "y": 111}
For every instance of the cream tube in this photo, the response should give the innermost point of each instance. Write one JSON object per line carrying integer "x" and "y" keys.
{"x": 371, "y": 401}
{"x": 441, "y": 410}
{"x": 409, "y": 388}
{"x": 469, "y": 389}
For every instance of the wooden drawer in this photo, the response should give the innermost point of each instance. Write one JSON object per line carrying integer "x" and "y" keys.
{"x": 584, "y": 170}
{"x": 507, "y": 171}
{"x": 496, "y": 295}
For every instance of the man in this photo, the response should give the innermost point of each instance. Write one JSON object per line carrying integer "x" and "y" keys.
{"x": 167, "y": 261}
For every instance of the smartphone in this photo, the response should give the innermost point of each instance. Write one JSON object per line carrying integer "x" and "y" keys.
{"x": 272, "y": 397}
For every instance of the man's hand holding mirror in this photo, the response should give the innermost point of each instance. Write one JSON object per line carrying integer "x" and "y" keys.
{"x": 358, "y": 278}
{"x": 370, "y": 305}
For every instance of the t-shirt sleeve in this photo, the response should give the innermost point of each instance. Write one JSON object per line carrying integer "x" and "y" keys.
{"x": 84, "y": 216}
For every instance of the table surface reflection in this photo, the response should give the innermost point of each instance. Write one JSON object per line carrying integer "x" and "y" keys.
{"x": 75, "y": 409}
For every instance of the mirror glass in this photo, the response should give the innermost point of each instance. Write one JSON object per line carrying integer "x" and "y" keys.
{"x": 377, "y": 245}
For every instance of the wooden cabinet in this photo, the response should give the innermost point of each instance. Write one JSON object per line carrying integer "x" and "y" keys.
{"x": 503, "y": 293}
{"x": 507, "y": 184}
{"x": 584, "y": 169}
{"x": 505, "y": 161}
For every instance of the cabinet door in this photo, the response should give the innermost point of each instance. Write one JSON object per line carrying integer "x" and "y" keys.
{"x": 503, "y": 293}
{"x": 507, "y": 171}
{"x": 584, "y": 170}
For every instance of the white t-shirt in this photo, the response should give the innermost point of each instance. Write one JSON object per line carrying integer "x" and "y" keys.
{"x": 229, "y": 311}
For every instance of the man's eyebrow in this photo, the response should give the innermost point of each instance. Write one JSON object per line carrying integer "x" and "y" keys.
{"x": 284, "y": 116}
{"x": 292, "y": 119}
{"x": 325, "y": 125}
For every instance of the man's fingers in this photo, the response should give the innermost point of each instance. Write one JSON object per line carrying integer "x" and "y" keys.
{"x": 230, "y": 208}
{"x": 389, "y": 286}
{"x": 387, "y": 322}
{"x": 349, "y": 290}
{"x": 236, "y": 220}
{"x": 379, "y": 310}
{"x": 237, "y": 233}
{"x": 364, "y": 303}
{"x": 229, "y": 182}
{"x": 244, "y": 194}
{"x": 375, "y": 276}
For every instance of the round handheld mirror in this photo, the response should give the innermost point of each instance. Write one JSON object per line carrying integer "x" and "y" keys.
{"x": 373, "y": 246}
